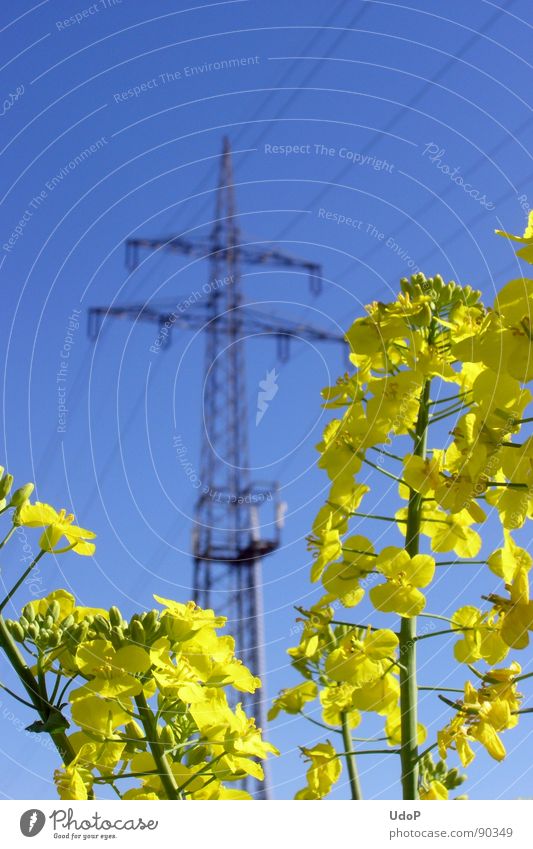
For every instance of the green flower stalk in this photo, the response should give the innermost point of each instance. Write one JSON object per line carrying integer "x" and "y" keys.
{"x": 407, "y": 645}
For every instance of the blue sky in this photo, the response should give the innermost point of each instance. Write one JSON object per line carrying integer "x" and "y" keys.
{"x": 351, "y": 123}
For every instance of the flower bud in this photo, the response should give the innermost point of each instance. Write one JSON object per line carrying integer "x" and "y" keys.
{"x": 21, "y": 495}
{"x": 137, "y": 632}
{"x": 150, "y": 622}
{"x": 33, "y": 630}
{"x": 54, "y": 609}
{"x": 166, "y": 737}
{"x": 197, "y": 755}
{"x": 117, "y": 636}
{"x": 101, "y": 624}
{"x": 16, "y": 630}
{"x": 28, "y": 612}
{"x": 83, "y": 630}
{"x": 115, "y": 616}
{"x": 55, "y": 639}
{"x": 5, "y": 485}
{"x": 134, "y": 730}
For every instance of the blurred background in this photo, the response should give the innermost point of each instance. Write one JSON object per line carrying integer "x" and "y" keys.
{"x": 373, "y": 138}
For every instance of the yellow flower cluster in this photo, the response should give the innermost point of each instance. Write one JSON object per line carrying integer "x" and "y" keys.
{"x": 482, "y": 715}
{"x": 174, "y": 656}
{"x": 150, "y": 706}
{"x": 434, "y": 362}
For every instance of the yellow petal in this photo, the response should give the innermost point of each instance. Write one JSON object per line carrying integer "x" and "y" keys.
{"x": 420, "y": 570}
{"x": 381, "y": 643}
{"x": 392, "y": 598}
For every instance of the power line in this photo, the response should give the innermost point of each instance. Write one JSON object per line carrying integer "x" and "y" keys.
{"x": 398, "y": 115}
{"x": 208, "y": 179}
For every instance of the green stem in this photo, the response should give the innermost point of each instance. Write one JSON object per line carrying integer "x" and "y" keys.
{"x": 65, "y": 688}
{"x": 509, "y": 484}
{"x": 445, "y": 400}
{"x": 8, "y": 536}
{"x": 105, "y": 779}
{"x": 383, "y": 471}
{"x": 28, "y": 681}
{"x": 456, "y": 705}
{"x": 205, "y": 769}
{"x": 393, "y": 518}
{"x": 386, "y": 453}
{"x": 396, "y": 663}
{"x": 436, "y": 616}
{"x": 163, "y": 767}
{"x": 379, "y": 518}
{"x": 370, "y": 752}
{"x": 459, "y": 562}
{"x": 429, "y": 749}
{"x": 360, "y": 551}
{"x": 21, "y": 580}
{"x": 523, "y": 677}
{"x": 455, "y": 631}
{"x": 408, "y": 703}
{"x": 355, "y": 785}
{"x": 369, "y": 739}
{"x": 407, "y": 646}
{"x": 320, "y": 724}
{"x": 18, "y": 698}
{"x": 352, "y": 624}
{"x": 442, "y": 689}
{"x": 56, "y": 687}
{"x": 446, "y": 414}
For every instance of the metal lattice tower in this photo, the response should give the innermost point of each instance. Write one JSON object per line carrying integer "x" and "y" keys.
{"x": 228, "y": 545}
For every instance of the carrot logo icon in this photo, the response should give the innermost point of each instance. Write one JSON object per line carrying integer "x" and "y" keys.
{"x": 268, "y": 389}
{"x": 32, "y": 822}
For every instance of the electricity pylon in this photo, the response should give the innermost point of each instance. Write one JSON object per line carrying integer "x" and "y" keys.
{"x": 228, "y": 544}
